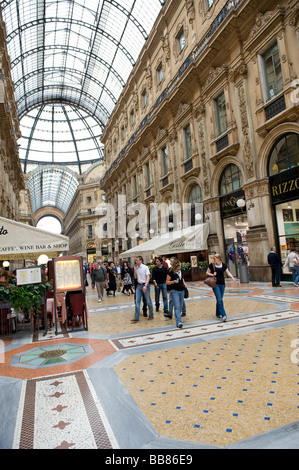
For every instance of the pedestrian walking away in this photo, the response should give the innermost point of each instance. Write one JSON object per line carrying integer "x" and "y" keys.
{"x": 217, "y": 269}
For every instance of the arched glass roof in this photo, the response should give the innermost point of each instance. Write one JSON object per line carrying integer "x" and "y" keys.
{"x": 59, "y": 134}
{"x": 52, "y": 186}
{"x": 72, "y": 58}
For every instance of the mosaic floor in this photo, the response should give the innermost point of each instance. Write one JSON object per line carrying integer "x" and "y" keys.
{"x": 150, "y": 385}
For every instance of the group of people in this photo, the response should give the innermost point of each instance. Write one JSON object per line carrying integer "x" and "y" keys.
{"x": 166, "y": 280}
{"x": 136, "y": 280}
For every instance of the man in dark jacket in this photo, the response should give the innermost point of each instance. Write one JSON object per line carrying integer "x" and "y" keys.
{"x": 159, "y": 274}
{"x": 276, "y": 264}
{"x": 99, "y": 276}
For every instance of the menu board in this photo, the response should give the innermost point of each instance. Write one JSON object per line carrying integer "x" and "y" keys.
{"x": 29, "y": 276}
{"x": 68, "y": 272}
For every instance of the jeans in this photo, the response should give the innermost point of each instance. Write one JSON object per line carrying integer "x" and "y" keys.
{"x": 296, "y": 272}
{"x": 158, "y": 289}
{"x": 147, "y": 294}
{"x": 171, "y": 305}
{"x": 219, "y": 292}
{"x": 177, "y": 297}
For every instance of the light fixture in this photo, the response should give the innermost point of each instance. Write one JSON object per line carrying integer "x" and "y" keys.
{"x": 5, "y": 264}
{"x": 42, "y": 259}
{"x": 241, "y": 203}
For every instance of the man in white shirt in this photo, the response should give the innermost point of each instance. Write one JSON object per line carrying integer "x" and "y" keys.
{"x": 290, "y": 263}
{"x": 142, "y": 274}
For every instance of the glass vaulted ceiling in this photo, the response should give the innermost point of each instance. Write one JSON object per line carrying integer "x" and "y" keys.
{"x": 70, "y": 60}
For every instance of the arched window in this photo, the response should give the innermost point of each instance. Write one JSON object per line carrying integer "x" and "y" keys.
{"x": 231, "y": 180}
{"x": 284, "y": 154}
{"x": 195, "y": 197}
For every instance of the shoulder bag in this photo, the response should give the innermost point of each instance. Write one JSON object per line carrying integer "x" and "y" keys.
{"x": 211, "y": 281}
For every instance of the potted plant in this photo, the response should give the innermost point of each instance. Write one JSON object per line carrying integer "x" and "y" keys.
{"x": 7, "y": 284}
{"x": 186, "y": 267}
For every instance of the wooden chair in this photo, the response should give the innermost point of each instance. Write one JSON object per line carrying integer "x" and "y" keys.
{"x": 77, "y": 303}
{"x": 50, "y": 295}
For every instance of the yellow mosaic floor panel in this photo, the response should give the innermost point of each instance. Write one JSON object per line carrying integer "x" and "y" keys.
{"x": 119, "y": 322}
{"x": 218, "y": 392}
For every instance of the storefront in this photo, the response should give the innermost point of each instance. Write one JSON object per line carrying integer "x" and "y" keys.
{"x": 235, "y": 226}
{"x": 284, "y": 185}
{"x": 234, "y": 219}
{"x": 91, "y": 253}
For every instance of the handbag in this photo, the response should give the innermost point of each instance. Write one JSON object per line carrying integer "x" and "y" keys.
{"x": 186, "y": 293}
{"x": 211, "y": 281}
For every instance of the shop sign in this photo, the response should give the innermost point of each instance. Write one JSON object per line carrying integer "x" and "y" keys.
{"x": 228, "y": 203}
{"x": 285, "y": 185}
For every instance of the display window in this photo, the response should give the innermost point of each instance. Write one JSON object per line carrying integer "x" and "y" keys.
{"x": 283, "y": 171}
{"x": 235, "y": 231}
{"x": 287, "y": 218}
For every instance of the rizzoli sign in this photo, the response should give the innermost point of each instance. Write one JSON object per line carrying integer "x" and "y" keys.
{"x": 285, "y": 186}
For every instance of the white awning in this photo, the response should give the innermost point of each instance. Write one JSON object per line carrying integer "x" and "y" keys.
{"x": 193, "y": 238}
{"x": 22, "y": 241}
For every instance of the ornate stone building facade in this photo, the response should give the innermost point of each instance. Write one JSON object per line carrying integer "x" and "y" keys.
{"x": 210, "y": 114}
{"x": 11, "y": 175}
{"x": 83, "y": 215}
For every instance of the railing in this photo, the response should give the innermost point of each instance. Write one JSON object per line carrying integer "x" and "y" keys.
{"x": 275, "y": 107}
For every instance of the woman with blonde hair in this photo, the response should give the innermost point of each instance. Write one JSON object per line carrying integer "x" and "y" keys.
{"x": 217, "y": 269}
{"x": 177, "y": 286}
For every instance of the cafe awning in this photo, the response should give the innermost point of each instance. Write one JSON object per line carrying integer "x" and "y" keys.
{"x": 190, "y": 239}
{"x": 22, "y": 241}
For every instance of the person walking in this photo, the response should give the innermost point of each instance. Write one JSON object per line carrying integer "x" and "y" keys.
{"x": 99, "y": 276}
{"x": 217, "y": 269}
{"x": 159, "y": 274}
{"x": 111, "y": 278}
{"x": 290, "y": 263}
{"x": 127, "y": 278}
{"x": 275, "y": 263}
{"x": 119, "y": 279}
{"x": 170, "y": 303}
{"x": 296, "y": 268}
{"x": 142, "y": 274}
{"x": 177, "y": 285}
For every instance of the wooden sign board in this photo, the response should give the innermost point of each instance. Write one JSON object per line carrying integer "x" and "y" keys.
{"x": 68, "y": 273}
